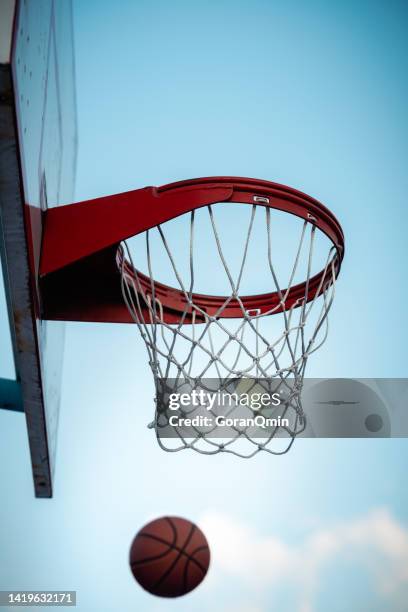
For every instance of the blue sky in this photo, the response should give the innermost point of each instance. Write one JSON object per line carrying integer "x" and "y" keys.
{"x": 312, "y": 95}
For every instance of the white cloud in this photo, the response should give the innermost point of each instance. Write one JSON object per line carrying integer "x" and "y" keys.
{"x": 376, "y": 542}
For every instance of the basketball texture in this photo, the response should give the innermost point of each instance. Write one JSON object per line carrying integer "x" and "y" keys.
{"x": 169, "y": 557}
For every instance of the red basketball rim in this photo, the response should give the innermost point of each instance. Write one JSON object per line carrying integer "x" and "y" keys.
{"x": 262, "y": 193}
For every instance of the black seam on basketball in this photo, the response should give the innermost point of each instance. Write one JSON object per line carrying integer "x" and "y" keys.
{"x": 188, "y": 559}
{"x": 177, "y": 559}
{"x": 183, "y": 552}
{"x": 151, "y": 535}
{"x": 185, "y": 574}
{"x": 191, "y": 559}
{"x": 149, "y": 559}
{"x": 174, "y": 530}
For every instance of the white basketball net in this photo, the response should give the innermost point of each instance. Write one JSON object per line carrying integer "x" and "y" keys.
{"x": 251, "y": 349}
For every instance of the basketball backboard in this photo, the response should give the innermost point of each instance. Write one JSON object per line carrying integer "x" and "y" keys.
{"x": 37, "y": 166}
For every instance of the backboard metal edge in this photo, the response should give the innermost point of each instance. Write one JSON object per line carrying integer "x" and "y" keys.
{"x": 18, "y": 287}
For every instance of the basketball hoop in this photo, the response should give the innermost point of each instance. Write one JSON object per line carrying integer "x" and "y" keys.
{"x": 258, "y": 341}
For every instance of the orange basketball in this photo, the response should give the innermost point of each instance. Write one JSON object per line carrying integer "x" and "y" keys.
{"x": 169, "y": 557}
